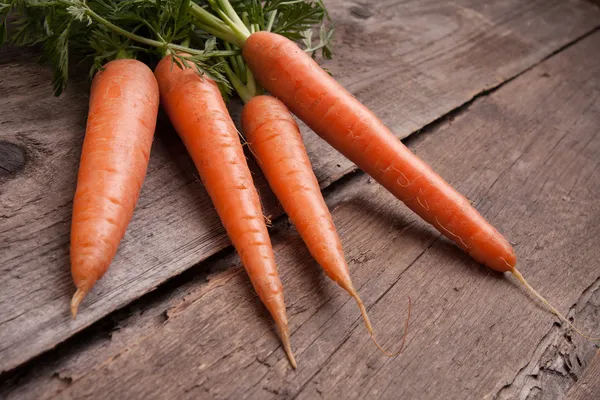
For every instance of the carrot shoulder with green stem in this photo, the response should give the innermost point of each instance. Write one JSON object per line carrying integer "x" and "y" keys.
{"x": 291, "y": 75}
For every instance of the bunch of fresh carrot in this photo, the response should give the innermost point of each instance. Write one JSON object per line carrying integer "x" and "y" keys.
{"x": 251, "y": 47}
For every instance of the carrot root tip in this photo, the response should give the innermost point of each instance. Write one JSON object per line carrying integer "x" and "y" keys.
{"x": 363, "y": 311}
{"x": 76, "y": 300}
{"x": 367, "y": 321}
{"x": 287, "y": 346}
{"x": 552, "y": 309}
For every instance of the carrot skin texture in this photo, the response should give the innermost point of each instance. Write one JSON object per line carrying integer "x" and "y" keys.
{"x": 282, "y": 68}
{"x": 120, "y": 128}
{"x": 275, "y": 140}
{"x": 198, "y": 113}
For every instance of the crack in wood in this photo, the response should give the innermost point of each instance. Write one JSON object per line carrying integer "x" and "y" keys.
{"x": 557, "y": 347}
{"x": 461, "y": 110}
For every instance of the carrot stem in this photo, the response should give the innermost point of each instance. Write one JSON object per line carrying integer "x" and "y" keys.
{"x": 554, "y": 311}
{"x": 251, "y": 84}
{"x": 233, "y": 17}
{"x": 271, "y": 21}
{"x": 237, "y": 63}
{"x": 237, "y": 84}
{"x": 150, "y": 42}
{"x": 213, "y": 25}
{"x": 240, "y": 31}
{"x": 224, "y": 35}
{"x": 122, "y": 54}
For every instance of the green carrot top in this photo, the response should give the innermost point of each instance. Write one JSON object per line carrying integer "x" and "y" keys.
{"x": 206, "y": 35}
{"x": 103, "y": 30}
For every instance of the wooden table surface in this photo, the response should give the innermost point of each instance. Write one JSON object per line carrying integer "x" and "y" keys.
{"x": 501, "y": 97}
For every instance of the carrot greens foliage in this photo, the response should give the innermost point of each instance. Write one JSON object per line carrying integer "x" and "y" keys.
{"x": 205, "y": 34}
{"x": 294, "y": 19}
{"x": 104, "y": 30}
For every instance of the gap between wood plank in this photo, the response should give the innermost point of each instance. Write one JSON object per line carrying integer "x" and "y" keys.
{"x": 552, "y": 347}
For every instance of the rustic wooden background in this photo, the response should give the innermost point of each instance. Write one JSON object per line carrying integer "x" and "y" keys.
{"x": 502, "y": 98}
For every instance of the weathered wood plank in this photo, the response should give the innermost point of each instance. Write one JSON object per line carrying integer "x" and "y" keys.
{"x": 526, "y": 155}
{"x": 588, "y": 387}
{"x": 410, "y": 61}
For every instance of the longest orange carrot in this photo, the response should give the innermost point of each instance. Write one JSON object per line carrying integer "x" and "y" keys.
{"x": 197, "y": 111}
{"x": 333, "y": 113}
{"x": 120, "y": 127}
{"x": 290, "y": 74}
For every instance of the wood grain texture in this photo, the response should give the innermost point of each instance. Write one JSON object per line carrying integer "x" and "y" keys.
{"x": 526, "y": 155}
{"x": 588, "y": 387}
{"x": 410, "y": 61}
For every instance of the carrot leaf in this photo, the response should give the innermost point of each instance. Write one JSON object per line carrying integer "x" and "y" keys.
{"x": 58, "y": 53}
{"x": 103, "y": 30}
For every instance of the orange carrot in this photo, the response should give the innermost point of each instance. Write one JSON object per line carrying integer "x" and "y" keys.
{"x": 333, "y": 113}
{"x": 197, "y": 111}
{"x": 290, "y": 74}
{"x": 116, "y": 149}
{"x": 275, "y": 141}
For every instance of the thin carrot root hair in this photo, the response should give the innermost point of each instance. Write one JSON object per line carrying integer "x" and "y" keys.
{"x": 552, "y": 309}
{"x": 76, "y": 300}
{"x": 268, "y": 220}
{"x": 365, "y": 316}
{"x": 287, "y": 346}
